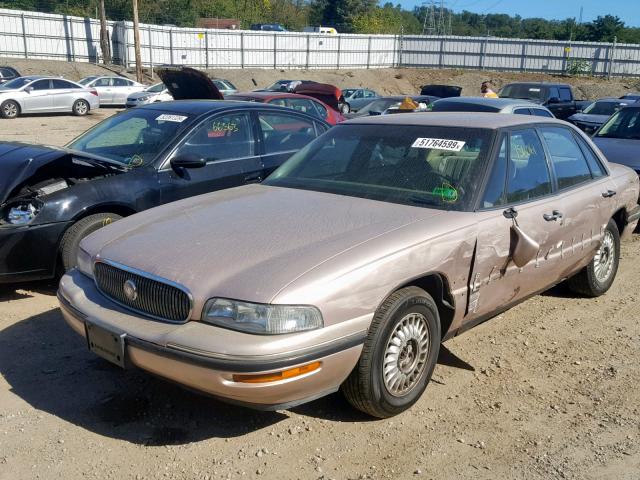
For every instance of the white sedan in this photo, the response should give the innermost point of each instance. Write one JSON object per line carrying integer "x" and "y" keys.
{"x": 37, "y": 94}
{"x": 112, "y": 90}
{"x": 155, "y": 93}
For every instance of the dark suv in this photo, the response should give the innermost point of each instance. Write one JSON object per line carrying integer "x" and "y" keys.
{"x": 7, "y": 74}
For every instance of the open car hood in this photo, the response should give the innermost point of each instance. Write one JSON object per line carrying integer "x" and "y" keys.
{"x": 185, "y": 83}
{"x": 442, "y": 91}
{"x": 328, "y": 94}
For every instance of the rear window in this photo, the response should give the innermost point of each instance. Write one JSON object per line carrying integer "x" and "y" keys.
{"x": 525, "y": 92}
{"x": 444, "y": 106}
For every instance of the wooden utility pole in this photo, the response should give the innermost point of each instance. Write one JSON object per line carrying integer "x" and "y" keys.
{"x": 104, "y": 36}
{"x": 136, "y": 42}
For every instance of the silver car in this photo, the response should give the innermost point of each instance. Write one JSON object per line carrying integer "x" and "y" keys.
{"x": 112, "y": 90}
{"x": 494, "y": 105}
{"x": 37, "y": 94}
{"x": 153, "y": 94}
{"x": 356, "y": 98}
{"x": 225, "y": 86}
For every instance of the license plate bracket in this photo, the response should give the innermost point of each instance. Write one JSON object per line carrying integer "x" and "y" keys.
{"x": 106, "y": 344}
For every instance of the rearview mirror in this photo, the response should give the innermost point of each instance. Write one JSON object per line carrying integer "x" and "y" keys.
{"x": 523, "y": 247}
{"x": 188, "y": 161}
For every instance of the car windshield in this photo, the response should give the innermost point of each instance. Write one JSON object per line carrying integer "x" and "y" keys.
{"x": 133, "y": 138}
{"x": 379, "y": 105}
{"x": 603, "y": 108}
{"x": 279, "y": 86}
{"x": 623, "y": 124}
{"x": 87, "y": 80}
{"x": 424, "y": 166}
{"x": 526, "y": 92}
{"x": 157, "y": 88}
{"x": 16, "y": 83}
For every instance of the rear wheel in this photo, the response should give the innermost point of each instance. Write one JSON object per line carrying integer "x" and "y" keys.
{"x": 597, "y": 277}
{"x": 398, "y": 356}
{"x": 80, "y": 107}
{"x": 76, "y": 232}
{"x": 345, "y": 108}
{"x": 9, "y": 109}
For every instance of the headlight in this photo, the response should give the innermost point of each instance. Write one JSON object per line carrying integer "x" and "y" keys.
{"x": 85, "y": 263}
{"x": 144, "y": 99}
{"x": 260, "y": 318}
{"x": 22, "y": 213}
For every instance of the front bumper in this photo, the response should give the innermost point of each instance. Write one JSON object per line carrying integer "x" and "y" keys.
{"x": 29, "y": 252}
{"x": 152, "y": 346}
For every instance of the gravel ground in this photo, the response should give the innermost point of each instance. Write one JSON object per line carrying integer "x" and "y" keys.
{"x": 545, "y": 390}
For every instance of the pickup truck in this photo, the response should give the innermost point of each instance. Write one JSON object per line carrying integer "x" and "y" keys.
{"x": 557, "y": 97}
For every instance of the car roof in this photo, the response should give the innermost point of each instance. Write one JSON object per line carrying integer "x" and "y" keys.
{"x": 489, "y": 121}
{"x": 545, "y": 84}
{"x": 498, "y": 103}
{"x": 199, "y": 107}
{"x": 270, "y": 95}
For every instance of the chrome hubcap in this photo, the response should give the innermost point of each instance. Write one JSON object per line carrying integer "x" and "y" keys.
{"x": 603, "y": 261}
{"x": 406, "y": 354}
{"x": 10, "y": 110}
{"x": 81, "y": 108}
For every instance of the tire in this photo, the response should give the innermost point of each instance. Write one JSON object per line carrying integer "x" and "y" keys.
{"x": 80, "y": 108}
{"x": 381, "y": 393}
{"x": 9, "y": 109}
{"x": 345, "y": 108}
{"x": 597, "y": 277}
{"x": 76, "y": 232}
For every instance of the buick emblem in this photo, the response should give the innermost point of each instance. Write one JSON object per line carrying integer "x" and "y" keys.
{"x": 130, "y": 290}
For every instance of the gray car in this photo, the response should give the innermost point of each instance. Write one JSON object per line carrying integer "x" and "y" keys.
{"x": 356, "y": 98}
{"x": 592, "y": 117}
{"x": 619, "y": 137}
{"x": 37, "y": 94}
{"x": 112, "y": 90}
{"x": 495, "y": 105}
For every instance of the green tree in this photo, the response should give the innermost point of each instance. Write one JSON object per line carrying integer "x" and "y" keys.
{"x": 604, "y": 29}
{"x": 339, "y": 13}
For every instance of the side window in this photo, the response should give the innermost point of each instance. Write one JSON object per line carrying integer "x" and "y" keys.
{"x": 542, "y": 113}
{"x": 41, "y": 85}
{"x": 321, "y": 110}
{"x": 359, "y": 94}
{"x": 320, "y": 128}
{"x": 522, "y": 111}
{"x": 5, "y": 72}
{"x": 565, "y": 94}
{"x": 285, "y": 133}
{"x": 528, "y": 171}
{"x": 121, "y": 82}
{"x": 553, "y": 92}
{"x": 102, "y": 82}
{"x": 301, "y": 105}
{"x": 370, "y": 94}
{"x": 62, "y": 84}
{"x": 597, "y": 170}
{"x": 220, "y": 138}
{"x": 568, "y": 161}
{"x": 494, "y": 193}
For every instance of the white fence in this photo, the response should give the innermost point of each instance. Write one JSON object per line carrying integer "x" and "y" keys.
{"x": 47, "y": 36}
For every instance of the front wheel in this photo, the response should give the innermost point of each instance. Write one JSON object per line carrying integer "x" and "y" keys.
{"x": 597, "y": 277}
{"x": 9, "y": 109}
{"x": 80, "y": 107}
{"x": 398, "y": 356}
{"x": 345, "y": 108}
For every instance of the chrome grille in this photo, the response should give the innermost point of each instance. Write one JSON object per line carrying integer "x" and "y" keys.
{"x": 156, "y": 298}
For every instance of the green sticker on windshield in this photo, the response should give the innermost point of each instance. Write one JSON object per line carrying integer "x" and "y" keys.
{"x": 447, "y": 192}
{"x": 136, "y": 161}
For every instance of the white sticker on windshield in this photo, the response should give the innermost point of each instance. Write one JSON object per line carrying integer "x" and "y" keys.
{"x": 534, "y": 89}
{"x": 165, "y": 117}
{"x": 438, "y": 144}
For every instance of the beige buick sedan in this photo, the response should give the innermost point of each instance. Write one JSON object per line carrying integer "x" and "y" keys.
{"x": 350, "y": 265}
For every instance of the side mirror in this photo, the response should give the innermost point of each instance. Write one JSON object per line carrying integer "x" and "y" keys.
{"x": 187, "y": 161}
{"x": 523, "y": 247}
{"x": 28, "y": 89}
{"x": 554, "y": 100}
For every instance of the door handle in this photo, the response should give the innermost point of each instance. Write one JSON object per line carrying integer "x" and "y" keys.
{"x": 254, "y": 178}
{"x": 553, "y": 216}
{"x": 608, "y": 193}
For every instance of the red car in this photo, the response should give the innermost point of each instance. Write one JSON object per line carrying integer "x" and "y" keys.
{"x": 302, "y": 103}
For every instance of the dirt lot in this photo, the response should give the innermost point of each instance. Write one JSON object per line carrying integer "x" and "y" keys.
{"x": 546, "y": 390}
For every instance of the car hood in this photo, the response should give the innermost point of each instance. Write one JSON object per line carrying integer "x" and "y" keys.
{"x": 247, "y": 242}
{"x": 144, "y": 93}
{"x": 585, "y": 117}
{"x": 21, "y": 161}
{"x": 185, "y": 83}
{"x": 620, "y": 150}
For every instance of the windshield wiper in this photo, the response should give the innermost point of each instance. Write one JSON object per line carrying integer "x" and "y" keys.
{"x": 421, "y": 200}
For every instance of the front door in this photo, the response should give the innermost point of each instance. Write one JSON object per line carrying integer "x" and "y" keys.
{"x": 520, "y": 181}
{"x": 38, "y": 98}
{"x": 226, "y": 141}
{"x": 105, "y": 90}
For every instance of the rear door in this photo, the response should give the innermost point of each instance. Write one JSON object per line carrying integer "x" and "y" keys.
{"x": 39, "y": 98}
{"x": 521, "y": 181}
{"x": 281, "y": 135}
{"x": 122, "y": 87}
{"x": 105, "y": 90}
{"x": 64, "y": 93}
{"x": 227, "y": 142}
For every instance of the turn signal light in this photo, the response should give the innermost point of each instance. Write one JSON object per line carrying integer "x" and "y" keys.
{"x": 275, "y": 376}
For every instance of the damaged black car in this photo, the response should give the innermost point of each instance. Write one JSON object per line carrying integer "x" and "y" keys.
{"x": 51, "y": 198}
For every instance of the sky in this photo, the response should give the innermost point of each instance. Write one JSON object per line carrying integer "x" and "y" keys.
{"x": 627, "y": 10}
